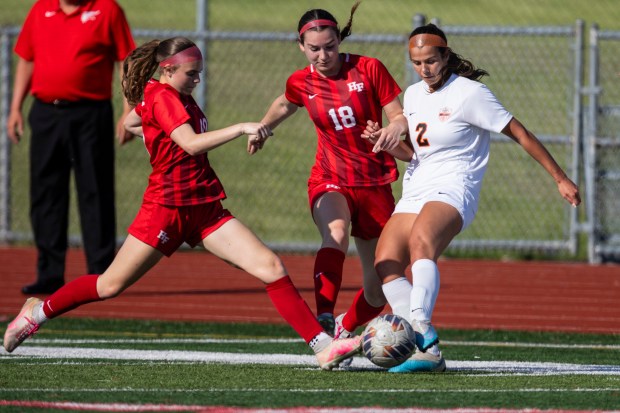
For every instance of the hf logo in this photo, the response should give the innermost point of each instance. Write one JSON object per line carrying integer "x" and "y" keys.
{"x": 163, "y": 237}
{"x": 355, "y": 87}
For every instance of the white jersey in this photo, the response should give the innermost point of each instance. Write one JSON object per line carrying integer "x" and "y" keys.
{"x": 450, "y": 132}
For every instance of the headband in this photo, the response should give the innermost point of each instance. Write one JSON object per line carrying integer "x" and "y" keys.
{"x": 316, "y": 23}
{"x": 191, "y": 54}
{"x": 427, "y": 39}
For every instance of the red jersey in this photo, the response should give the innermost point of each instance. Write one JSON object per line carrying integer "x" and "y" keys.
{"x": 74, "y": 54}
{"x": 339, "y": 106}
{"x": 178, "y": 178}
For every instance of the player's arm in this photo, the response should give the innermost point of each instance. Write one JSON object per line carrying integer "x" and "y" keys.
{"x": 133, "y": 123}
{"x": 520, "y": 134}
{"x": 197, "y": 143}
{"x": 388, "y": 138}
{"x": 278, "y": 112}
{"x": 21, "y": 86}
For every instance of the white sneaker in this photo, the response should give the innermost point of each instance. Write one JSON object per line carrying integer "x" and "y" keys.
{"x": 22, "y": 327}
{"x": 337, "y": 351}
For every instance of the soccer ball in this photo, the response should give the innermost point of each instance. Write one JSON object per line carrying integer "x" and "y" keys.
{"x": 388, "y": 340}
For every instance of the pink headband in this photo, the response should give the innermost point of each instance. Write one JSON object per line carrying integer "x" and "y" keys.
{"x": 427, "y": 39}
{"x": 316, "y": 23}
{"x": 191, "y": 54}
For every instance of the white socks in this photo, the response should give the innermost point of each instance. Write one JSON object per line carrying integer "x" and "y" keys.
{"x": 38, "y": 314}
{"x": 397, "y": 293}
{"x": 425, "y": 289}
{"x": 320, "y": 342}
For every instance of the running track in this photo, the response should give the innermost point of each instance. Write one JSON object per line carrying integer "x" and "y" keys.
{"x": 535, "y": 296}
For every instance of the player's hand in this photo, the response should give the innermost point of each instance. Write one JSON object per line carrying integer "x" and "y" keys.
{"x": 254, "y": 144}
{"x": 569, "y": 191}
{"x": 384, "y": 139}
{"x": 15, "y": 126}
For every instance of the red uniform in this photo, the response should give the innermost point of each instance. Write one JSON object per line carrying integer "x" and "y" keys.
{"x": 177, "y": 178}
{"x": 182, "y": 199}
{"x": 339, "y": 106}
{"x": 74, "y": 54}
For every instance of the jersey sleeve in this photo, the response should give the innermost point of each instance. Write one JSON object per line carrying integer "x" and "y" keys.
{"x": 292, "y": 92}
{"x": 385, "y": 85}
{"x": 169, "y": 112}
{"x": 481, "y": 108}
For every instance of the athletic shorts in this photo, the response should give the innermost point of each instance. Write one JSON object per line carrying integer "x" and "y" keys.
{"x": 370, "y": 206}
{"x": 457, "y": 196}
{"x": 166, "y": 228}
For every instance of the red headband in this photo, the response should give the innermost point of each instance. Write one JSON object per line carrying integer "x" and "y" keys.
{"x": 427, "y": 39}
{"x": 191, "y": 54}
{"x": 316, "y": 23}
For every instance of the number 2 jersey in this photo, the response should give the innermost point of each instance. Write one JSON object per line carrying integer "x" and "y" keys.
{"x": 449, "y": 130}
{"x": 340, "y": 106}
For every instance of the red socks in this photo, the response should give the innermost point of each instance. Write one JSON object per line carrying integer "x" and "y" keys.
{"x": 360, "y": 312}
{"x": 293, "y": 308}
{"x": 80, "y": 291}
{"x": 327, "y": 278}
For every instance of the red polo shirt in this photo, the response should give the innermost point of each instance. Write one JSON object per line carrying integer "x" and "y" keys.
{"x": 74, "y": 54}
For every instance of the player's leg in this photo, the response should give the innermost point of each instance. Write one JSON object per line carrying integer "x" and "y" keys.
{"x": 133, "y": 260}
{"x": 391, "y": 260}
{"x": 332, "y": 217}
{"x": 369, "y": 300}
{"x": 437, "y": 224}
{"x": 238, "y": 245}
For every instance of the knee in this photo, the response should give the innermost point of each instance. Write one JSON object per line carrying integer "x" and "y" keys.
{"x": 270, "y": 269}
{"x": 109, "y": 289}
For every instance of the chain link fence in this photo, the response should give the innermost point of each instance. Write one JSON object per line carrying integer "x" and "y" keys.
{"x": 536, "y": 71}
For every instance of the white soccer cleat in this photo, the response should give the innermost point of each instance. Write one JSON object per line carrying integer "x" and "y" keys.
{"x": 337, "y": 351}
{"x": 22, "y": 327}
{"x": 339, "y": 330}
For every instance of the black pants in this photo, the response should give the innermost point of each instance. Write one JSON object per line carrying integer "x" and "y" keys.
{"x": 78, "y": 136}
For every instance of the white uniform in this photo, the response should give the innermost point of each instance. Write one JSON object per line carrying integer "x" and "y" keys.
{"x": 449, "y": 130}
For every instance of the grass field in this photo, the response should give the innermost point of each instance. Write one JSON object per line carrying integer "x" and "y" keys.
{"x": 245, "y": 365}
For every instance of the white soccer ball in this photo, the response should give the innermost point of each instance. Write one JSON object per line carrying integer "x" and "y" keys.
{"x": 388, "y": 340}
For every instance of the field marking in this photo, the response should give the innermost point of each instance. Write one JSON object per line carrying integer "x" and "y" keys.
{"x": 298, "y": 340}
{"x": 359, "y": 363}
{"x": 128, "y": 407}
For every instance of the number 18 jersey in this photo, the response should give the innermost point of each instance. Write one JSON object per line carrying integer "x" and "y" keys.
{"x": 340, "y": 106}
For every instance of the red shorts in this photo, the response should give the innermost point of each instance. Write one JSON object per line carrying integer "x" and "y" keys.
{"x": 370, "y": 206}
{"x": 165, "y": 228}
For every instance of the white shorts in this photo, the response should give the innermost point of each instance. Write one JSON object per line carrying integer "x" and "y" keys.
{"x": 458, "y": 196}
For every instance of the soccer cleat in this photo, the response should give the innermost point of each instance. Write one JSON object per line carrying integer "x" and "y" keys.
{"x": 337, "y": 351}
{"x": 421, "y": 362}
{"x": 339, "y": 330}
{"x": 425, "y": 334}
{"x": 22, "y": 327}
{"x": 326, "y": 320}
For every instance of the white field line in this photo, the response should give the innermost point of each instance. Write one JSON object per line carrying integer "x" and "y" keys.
{"x": 126, "y": 407}
{"x": 490, "y": 367}
{"x": 298, "y": 340}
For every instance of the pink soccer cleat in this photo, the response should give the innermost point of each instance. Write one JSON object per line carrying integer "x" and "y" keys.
{"x": 22, "y": 327}
{"x": 337, "y": 351}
